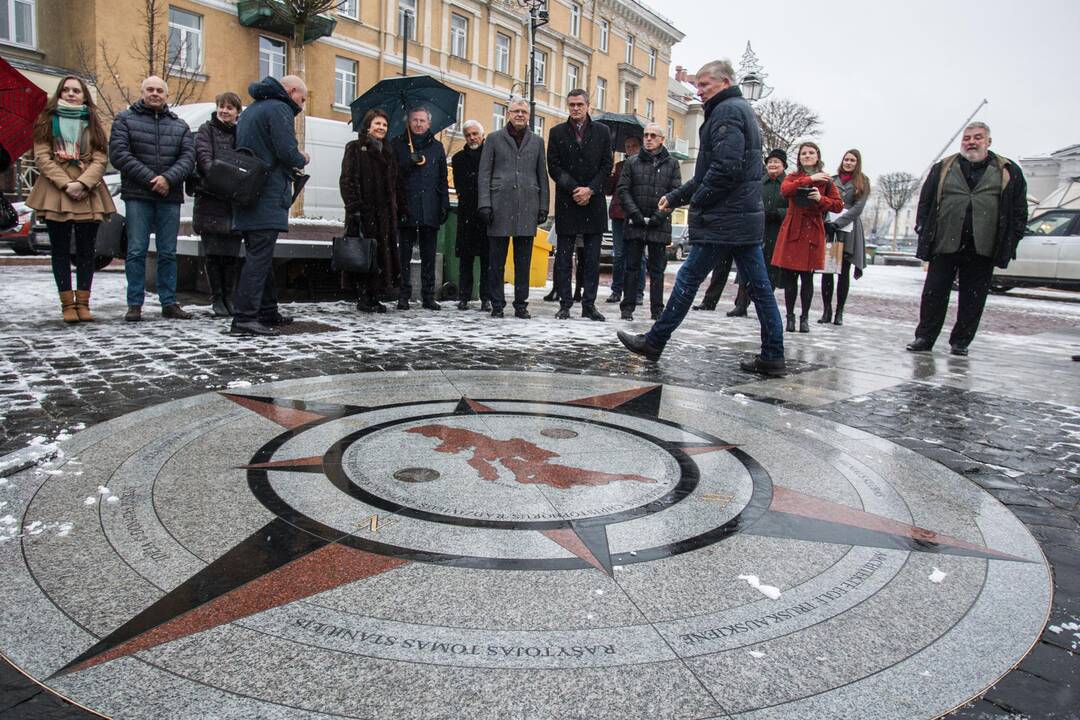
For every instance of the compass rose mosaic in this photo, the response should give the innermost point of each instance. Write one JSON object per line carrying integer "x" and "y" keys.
{"x": 508, "y": 545}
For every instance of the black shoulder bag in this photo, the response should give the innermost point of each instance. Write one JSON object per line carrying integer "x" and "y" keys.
{"x": 355, "y": 253}
{"x": 239, "y": 178}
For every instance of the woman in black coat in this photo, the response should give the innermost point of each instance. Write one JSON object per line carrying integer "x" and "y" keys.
{"x": 211, "y": 217}
{"x": 369, "y": 188}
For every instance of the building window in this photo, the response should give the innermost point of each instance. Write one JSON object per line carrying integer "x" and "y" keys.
{"x": 502, "y": 53}
{"x": 407, "y": 11}
{"x": 651, "y": 59}
{"x": 185, "y": 40}
{"x": 601, "y": 93}
{"x": 575, "y": 19}
{"x": 459, "y": 116}
{"x": 572, "y": 74}
{"x": 629, "y": 49}
{"x": 605, "y": 33}
{"x": 349, "y": 9}
{"x": 628, "y": 99}
{"x": 344, "y": 81}
{"x": 540, "y": 67}
{"x": 650, "y": 110}
{"x": 671, "y": 128}
{"x": 459, "y": 36}
{"x": 539, "y": 126}
{"x": 271, "y": 57}
{"x": 17, "y": 21}
{"x": 498, "y": 117}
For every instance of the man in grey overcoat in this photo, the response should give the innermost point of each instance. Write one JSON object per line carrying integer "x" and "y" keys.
{"x": 513, "y": 200}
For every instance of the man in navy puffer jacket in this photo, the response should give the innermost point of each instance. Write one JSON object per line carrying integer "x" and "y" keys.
{"x": 154, "y": 152}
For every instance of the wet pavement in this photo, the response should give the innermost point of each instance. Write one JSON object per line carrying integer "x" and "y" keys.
{"x": 1006, "y": 418}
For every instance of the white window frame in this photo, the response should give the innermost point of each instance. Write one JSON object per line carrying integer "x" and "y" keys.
{"x": 459, "y": 116}
{"x": 459, "y": 36}
{"x": 671, "y": 128}
{"x": 650, "y": 54}
{"x": 605, "y": 35}
{"x": 601, "y": 93}
{"x": 575, "y": 70}
{"x": 180, "y": 60}
{"x": 274, "y": 43}
{"x": 538, "y": 125}
{"x": 498, "y": 116}
{"x": 629, "y": 95}
{"x": 410, "y": 7}
{"x": 540, "y": 67}
{"x": 630, "y": 42}
{"x": 575, "y": 20}
{"x": 343, "y": 93}
{"x": 650, "y": 110}
{"x": 502, "y": 59}
{"x": 349, "y": 9}
{"x": 9, "y": 32}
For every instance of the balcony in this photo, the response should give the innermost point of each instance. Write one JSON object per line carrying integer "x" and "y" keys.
{"x": 271, "y": 16}
{"x": 680, "y": 149}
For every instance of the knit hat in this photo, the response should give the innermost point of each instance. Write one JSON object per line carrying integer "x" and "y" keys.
{"x": 779, "y": 154}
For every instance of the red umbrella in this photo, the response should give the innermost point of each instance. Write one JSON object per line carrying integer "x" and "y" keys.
{"x": 20, "y": 103}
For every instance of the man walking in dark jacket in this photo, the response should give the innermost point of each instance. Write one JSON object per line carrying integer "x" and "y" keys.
{"x": 726, "y": 218}
{"x": 472, "y": 240}
{"x": 154, "y": 152}
{"x": 266, "y": 129}
{"x": 579, "y": 161}
{"x": 424, "y": 204}
{"x": 972, "y": 213}
{"x": 646, "y": 177}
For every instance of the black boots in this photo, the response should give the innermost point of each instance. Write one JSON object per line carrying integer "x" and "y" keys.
{"x": 838, "y": 317}
{"x": 826, "y": 316}
{"x": 791, "y": 322}
{"x": 804, "y": 324}
{"x": 221, "y": 276}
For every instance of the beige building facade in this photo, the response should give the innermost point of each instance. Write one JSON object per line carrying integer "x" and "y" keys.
{"x": 618, "y": 50}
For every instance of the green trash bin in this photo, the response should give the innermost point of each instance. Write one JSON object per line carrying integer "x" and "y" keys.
{"x": 446, "y": 243}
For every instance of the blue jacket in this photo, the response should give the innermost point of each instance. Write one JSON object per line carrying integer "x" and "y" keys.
{"x": 145, "y": 144}
{"x": 266, "y": 128}
{"x": 725, "y": 192}
{"x": 423, "y": 192}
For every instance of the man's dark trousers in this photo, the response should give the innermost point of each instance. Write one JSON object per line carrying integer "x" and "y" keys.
{"x": 465, "y": 274}
{"x": 256, "y": 296}
{"x": 975, "y": 273}
{"x": 564, "y": 260}
{"x": 702, "y": 258}
{"x": 633, "y": 253}
{"x": 407, "y": 237}
{"x": 522, "y": 259}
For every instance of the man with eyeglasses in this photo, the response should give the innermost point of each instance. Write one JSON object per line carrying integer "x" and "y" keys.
{"x": 513, "y": 200}
{"x": 646, "y": 177}
{"x": 726, "y": 218}
{"x": 579, "y": 161}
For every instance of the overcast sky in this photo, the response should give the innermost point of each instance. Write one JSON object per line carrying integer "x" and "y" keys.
{"x": 897, "y": 79}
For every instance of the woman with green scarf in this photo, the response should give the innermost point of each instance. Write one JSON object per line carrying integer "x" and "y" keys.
{"x": 70, "y": 151}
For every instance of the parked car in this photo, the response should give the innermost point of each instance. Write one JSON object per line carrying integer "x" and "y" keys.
{"x": 680, "y": 242}
{"x": 109, "y": 244}
{"x": 1048, "y": 255}
{"x": 19, "y": 238}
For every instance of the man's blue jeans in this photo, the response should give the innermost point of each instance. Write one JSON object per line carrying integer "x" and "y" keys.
{"x": 143, "y": 217}
{"x": 751, "y": 265}
{"x": 618, "y": 260}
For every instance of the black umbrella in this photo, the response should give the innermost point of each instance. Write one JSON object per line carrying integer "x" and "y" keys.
{"x": 622, "y": 126}
{"x": 397, "y": 96}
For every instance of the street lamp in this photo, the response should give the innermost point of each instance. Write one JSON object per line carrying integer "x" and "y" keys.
{"x": 752, "y": 77}
{"x": 538, "y": 17}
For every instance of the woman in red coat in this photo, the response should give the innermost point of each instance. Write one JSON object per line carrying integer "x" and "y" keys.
{"x": 800, "y": 246}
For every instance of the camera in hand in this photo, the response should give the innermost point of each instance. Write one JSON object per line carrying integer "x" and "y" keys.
{"x": 802, "y": 195}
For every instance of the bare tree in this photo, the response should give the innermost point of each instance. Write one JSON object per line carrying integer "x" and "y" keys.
{"x": 897, "y": 189}
{"x": 785, "y": 122}
{"x": 299, "y": 14}
{"x": 101, "y": 64}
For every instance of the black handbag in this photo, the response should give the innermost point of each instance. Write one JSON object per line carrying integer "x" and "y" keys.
{"x": 354, "y": 254}
{"x": 238, "y": 178}
{"x": 9, "y": 216}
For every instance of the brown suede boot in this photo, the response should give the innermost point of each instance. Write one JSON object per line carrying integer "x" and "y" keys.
{"x": 82, "y": 305}
{"x": 67, "y": 305}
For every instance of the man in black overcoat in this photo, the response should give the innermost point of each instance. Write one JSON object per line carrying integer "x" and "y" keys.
{"x": 472, "y": 242}
{"x": 579, "y": 161}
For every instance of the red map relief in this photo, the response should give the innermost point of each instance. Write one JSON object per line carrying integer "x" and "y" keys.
{"x": 530, "y": 463}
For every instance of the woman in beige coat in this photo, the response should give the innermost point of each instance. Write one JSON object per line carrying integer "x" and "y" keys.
{"x": 70, "y": 151}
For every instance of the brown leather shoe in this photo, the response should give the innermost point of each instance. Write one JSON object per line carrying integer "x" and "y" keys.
{"x": 67, "y": 306}
{"x": 82, "y": 305}
{"x": 175, "y": 312}
{"x": 134, "y": 313}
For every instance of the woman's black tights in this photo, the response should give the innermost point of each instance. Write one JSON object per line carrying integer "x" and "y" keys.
{"x": 60, "y": 242}
{"x": 842, "y": 287}
{"x": 791, "y": 290}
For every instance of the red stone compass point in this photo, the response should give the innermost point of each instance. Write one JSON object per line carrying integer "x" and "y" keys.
{"x": 281, "y": 414}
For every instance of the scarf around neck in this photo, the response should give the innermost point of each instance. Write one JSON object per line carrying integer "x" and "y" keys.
{"x": 69, "y": 123}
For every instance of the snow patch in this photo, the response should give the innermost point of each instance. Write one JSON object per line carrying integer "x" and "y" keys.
{"x": 937, "y": 576}
{"x": 769, "y": 591}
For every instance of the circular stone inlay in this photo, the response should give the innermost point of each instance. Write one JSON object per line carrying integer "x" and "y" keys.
{"x": 541, "y": 544}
